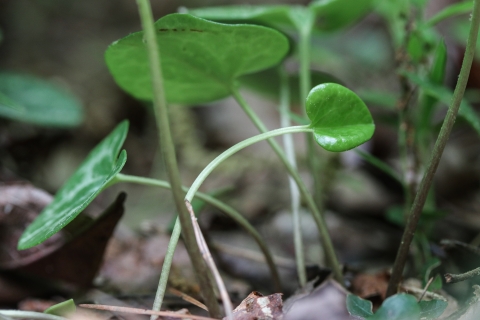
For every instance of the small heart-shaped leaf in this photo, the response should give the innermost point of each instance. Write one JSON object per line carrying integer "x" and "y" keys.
{"x": 93, "y": 175}
{"x": 200, "y": 59}
{"x": 26, "y": 98}
{"x": 339, "y": 118}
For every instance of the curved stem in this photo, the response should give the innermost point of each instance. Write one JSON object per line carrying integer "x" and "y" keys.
{"x": 331, "y": 257}
{"x": 168, "y": 149}
{"x": 229, "y": 211}
{"x": 284, "y": 107}
{"x": 442, "y": 139}
{"x": 234, "y": 149}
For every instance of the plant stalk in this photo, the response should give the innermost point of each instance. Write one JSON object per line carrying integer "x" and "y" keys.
{"x": 442, "y": 139}
{"x": 327, "y": 244}
{"x": 168, "y": 150}
{"x": 284, "y": 107}
{"x": 229, "y": 211}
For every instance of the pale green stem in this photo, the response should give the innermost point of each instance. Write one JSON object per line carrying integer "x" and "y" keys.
{"x": 229, "y": 211}
{"x": 294, "y": 192}
{"x": 421, "y": 195}
{"x": 19, "y": 314}
{"x": 327, "y": 244}
{"x": 168, "y": 149}
{"x": 304, "y": 51}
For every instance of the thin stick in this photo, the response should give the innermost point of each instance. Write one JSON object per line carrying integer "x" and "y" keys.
{"x": 442, "y": 139}
{"x": 202, "y": 245}
{"x": 168, "y": 150}
{"x": 187, "y": 298}
{"x": 143, "y": 311}
{"x": 426, "y": 288}
{"x": 453, "y": 278}
{"x": 455, "y": 243}
{"x": 20, "y": 314}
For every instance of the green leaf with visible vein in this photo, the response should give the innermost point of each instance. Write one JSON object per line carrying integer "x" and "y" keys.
{"x": 432, "y": 309}
{"x": 398, "y": 307}
{"x": 93, "y": 175}
{"x": 29, "y": 99}
{"x": 200, "y": 59}
{"x": 339, "y": 118}
{"x": 358, "y": 307}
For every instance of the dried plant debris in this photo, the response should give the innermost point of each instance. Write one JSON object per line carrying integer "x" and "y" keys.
{"x": 72, "y": 256}
{"x": 257, "y": 306}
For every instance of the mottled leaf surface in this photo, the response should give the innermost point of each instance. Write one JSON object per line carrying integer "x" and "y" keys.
{"x": 432, "y": 309}
{"x": 358, "y": 307}
{"x": 94, "y": 174}
{"x": 200, "y": 59}
{"x": 339, "y": 118}
{"x": 398, "y": 307}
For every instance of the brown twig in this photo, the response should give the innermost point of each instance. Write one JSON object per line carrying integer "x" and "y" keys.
{"x": 143, "y": 311}
{"x": 425, "y": 289}
{"x": 453, "y": 278}
{"x": 187, "y": 298}
{"x": 202, "y": 245}
{"x": 447, "y": 243}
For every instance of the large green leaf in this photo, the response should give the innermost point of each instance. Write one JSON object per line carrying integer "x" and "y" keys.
{"x": 29, "y": 99}
{"x": 398, "y": 307}
{"x": 271, "y": 15}
{"x": 93, "y": 175}
{"x": 339, "y": 118}
{"x": 432, "y": 309}
{"x": 358, "y": 307}
{"x": 336, "y": 14}
{"x": 200, "y": 59}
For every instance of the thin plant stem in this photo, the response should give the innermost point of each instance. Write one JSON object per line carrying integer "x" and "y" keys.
{"x": 284, "y": 107}
{"x": 168, "y": 150}
{"x": 318, "y": 217}
{"x": 20, "y": 314}
{"x": 304, "y": 50}
{"x": 442, "y": 139}
{"x": 229, "y": 211}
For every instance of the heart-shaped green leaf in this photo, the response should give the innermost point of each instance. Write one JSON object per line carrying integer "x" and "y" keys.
{"x": 93, "y": 175}
{"x": 339, "y": 118}
{"x": 200, "y": 59}
{"x": 432, "y": 309}
{"x": 26, "y": 98}
{"x": 335, "y": 14}
{"x": 398, "y": 307}
{"x": 358, "y": 307}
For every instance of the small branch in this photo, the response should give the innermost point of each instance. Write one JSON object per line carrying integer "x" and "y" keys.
{"x": 447, "y": 243}
{"x": 187, "y": 298}
{"x": 143, "y": 311}
{"x": 207, "y": 256}
{"x": 453, "y": 278}
{"x": 442, "y": 139}
{"x": 426, "y": 288}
